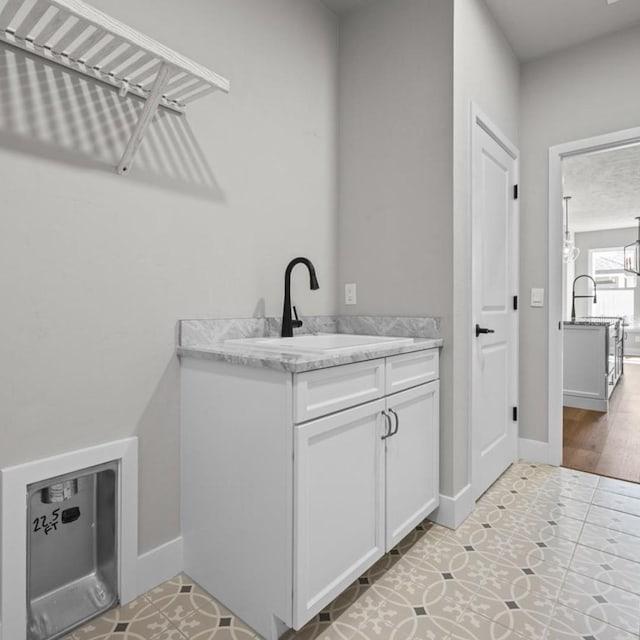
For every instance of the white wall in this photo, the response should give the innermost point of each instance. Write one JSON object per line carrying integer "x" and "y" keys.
{"x": 395, "y": 166}
{"x": 585, "y": 91}
{"x": 485, "y": 72}
{"x": 394, "y": 160}
{"x": 96, "y": 269}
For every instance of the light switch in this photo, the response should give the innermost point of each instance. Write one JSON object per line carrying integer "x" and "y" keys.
{"x": 350, "y": 294}
{"x": 537, "y": 297}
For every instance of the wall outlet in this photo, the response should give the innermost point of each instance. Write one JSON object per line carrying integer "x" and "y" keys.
{"x": 350, "y": 294}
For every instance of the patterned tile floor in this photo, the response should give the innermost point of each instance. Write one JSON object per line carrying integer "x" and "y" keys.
{"x": 548, "y": 554}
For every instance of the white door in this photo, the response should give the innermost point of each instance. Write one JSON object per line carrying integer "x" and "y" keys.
{"x": 412, "y": 459}
{"x": 494, "y": 322}
{"x": 338, "y": 504}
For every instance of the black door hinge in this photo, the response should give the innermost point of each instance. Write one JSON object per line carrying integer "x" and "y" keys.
{"x": 515, "y": 303}
{"x": 515, "y": 191}
{"x": 515, "y": 414}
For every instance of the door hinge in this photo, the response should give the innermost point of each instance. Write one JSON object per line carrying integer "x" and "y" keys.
{"x": 515, "y": 414}
{"x": 515, "y": 191}
{"x": 515, "y": 303}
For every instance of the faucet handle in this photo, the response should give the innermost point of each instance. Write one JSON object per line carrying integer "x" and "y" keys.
{"x": 297, "y": 323}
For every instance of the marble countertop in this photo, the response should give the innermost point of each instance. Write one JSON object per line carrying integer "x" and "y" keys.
{"x": 207, "y": 339}
{"x": 253, "y": 356}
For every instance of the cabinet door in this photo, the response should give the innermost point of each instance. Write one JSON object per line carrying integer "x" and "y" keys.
{"x": 338, "y": 504}
{"x": 412, "y": 460}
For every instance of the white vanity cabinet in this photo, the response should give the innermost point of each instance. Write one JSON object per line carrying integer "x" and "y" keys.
{"x": 293, "y": 484}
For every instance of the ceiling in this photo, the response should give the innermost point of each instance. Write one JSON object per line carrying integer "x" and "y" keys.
{"x": 604, "y": 189}
{"x": 344, "y": 5}
{"x": 538, "y": 27}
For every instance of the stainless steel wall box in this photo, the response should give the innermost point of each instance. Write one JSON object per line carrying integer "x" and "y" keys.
{"x": 72, "y": 554}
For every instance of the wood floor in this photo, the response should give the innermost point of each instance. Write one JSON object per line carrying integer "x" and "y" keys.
{"x": 607, "y": 443}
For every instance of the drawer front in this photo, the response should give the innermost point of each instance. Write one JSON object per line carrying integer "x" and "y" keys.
{"x": 318, "y": 393}
{"x": 411, "y": 369}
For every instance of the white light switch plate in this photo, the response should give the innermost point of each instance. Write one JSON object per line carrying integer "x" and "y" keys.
{"x": 350, "y": 293}
{"x": 537, "y": 297}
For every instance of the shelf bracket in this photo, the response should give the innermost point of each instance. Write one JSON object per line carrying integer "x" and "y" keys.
{"x": 148, "y": 112}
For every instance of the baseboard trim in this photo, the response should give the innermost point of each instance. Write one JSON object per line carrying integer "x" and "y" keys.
{"x": 159, "y": 564}
{"x": 453, "y": 511}
{"x": 535, "y": 451}
{"x": 580, "y": 402}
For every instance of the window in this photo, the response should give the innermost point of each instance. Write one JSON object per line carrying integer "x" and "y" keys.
{"x": 616, "y": 289}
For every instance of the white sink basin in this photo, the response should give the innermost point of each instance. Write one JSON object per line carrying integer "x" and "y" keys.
{"x": 321, "y": 343}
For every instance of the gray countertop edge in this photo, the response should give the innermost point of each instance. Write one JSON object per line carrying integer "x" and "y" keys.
{"x": 300, "y": 363}
{"x": 584, "y": 325}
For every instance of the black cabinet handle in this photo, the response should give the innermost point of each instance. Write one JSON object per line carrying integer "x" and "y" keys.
{"x": 395, "y": 415}
{"x": 388, "y": 432}
{"x": 480, "y": 330}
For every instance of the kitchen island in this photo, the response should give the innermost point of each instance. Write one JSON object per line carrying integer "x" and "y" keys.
{"x": 592, "y": 362}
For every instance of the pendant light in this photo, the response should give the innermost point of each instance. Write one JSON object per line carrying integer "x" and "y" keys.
{"x": 632, "y": 255}
{"x": 569, "y": 250}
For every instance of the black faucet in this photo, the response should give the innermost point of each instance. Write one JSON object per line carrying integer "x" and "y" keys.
{"x": 574, "y": 296}
{"x": 287, "y": 322}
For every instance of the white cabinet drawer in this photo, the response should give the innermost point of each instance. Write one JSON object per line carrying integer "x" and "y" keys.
{"x": 411, "y": 369}
{"x": 318, "y": 393}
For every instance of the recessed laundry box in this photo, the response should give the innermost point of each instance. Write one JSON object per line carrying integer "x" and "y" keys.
{"x": 72, "y": 550}
{"x": 68, "y": 539}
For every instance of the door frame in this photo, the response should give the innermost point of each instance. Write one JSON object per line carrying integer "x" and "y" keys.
{"x": 481, "y": 120}
{"x": 555, "y": 284}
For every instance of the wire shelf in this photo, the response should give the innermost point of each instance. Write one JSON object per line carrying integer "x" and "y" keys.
{"x": 79, "y": 37}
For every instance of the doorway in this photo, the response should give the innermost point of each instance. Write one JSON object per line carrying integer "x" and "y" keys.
{"x": 598, "y": 389}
